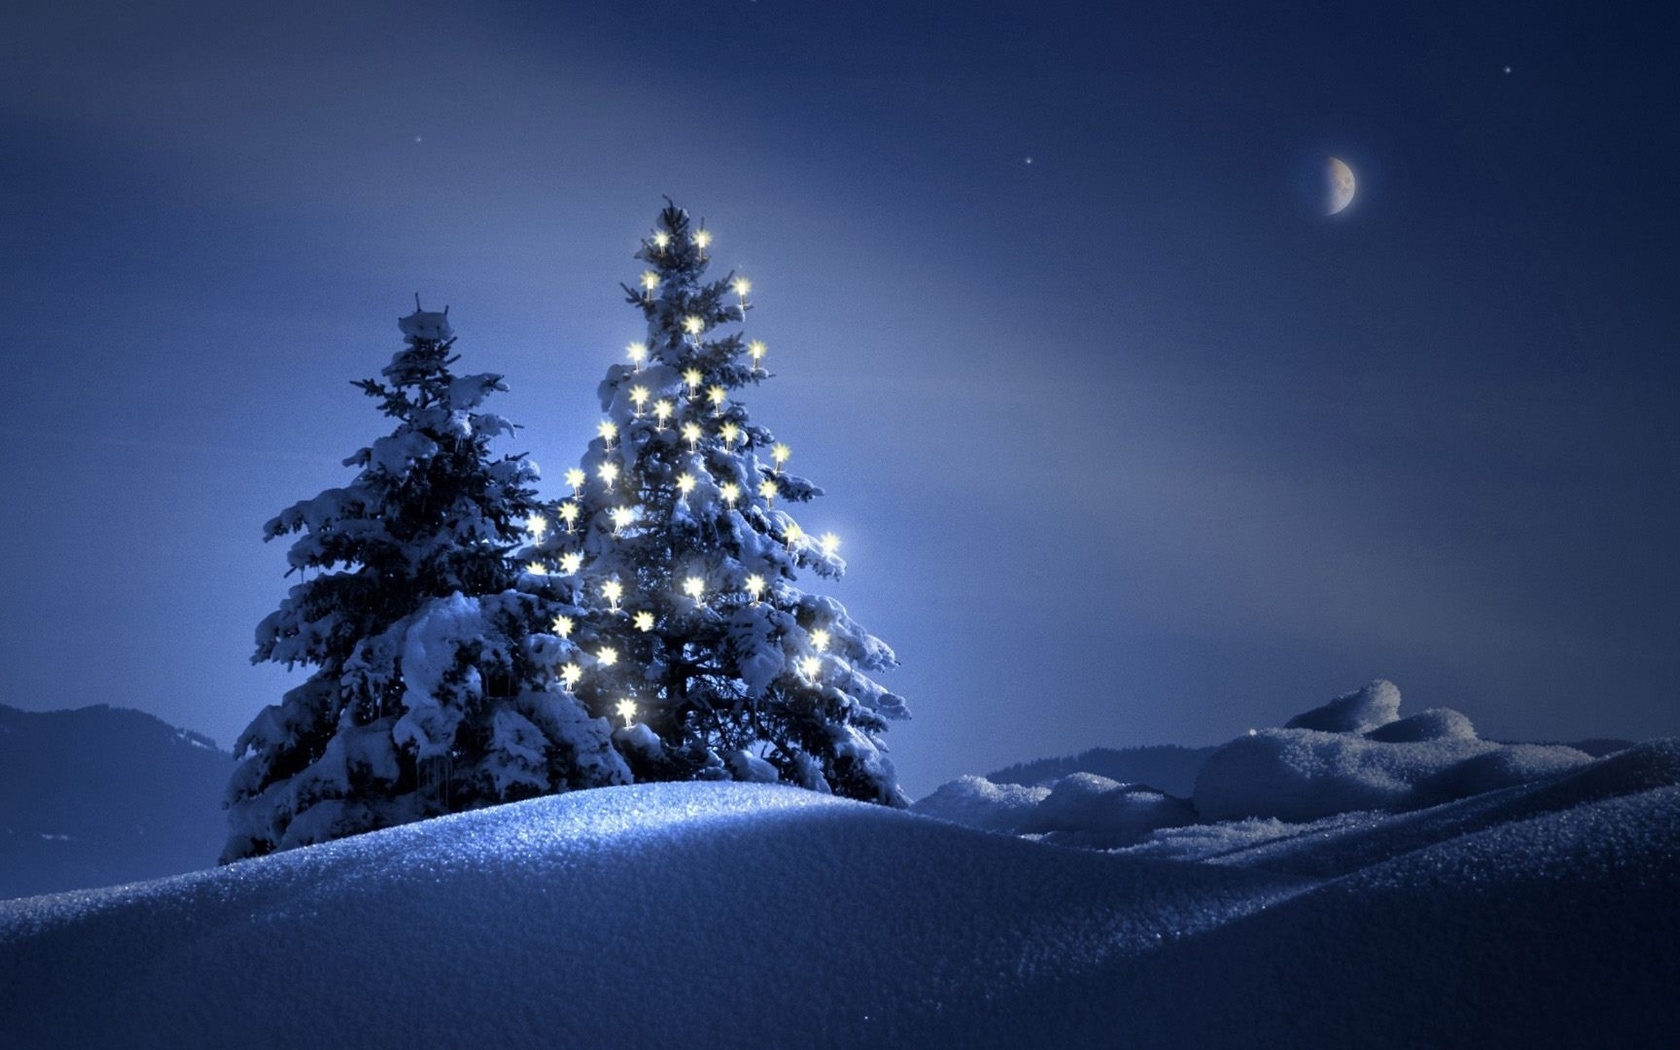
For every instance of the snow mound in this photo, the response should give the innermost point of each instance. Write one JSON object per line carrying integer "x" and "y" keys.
{"x": 649, "y": 915}
{"x": 1081, "y": 809}
{"x": 1320, "y": 765}
{"x": 1357, "y": 712}
{"x": 674, "y": 914}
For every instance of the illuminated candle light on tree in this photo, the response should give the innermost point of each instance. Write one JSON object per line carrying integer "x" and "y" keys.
{"x": 644, "y": 621}
{"x": 691, "y": 431}
{"x": 537, "y": 568}
{"x": 767, "y": 489}
{"x": 608, "y": 474}
{"x": 608, "y": 431}
{"x": 569, "y": 514}
{"x": 755, "y": 587}
{"x": 612, "y": 591}
{"x": 780, "y": 454}
{"x": 830, "y": 543}
{"x": 717, "y": 395}
{"x": 685, "y": 483}
{"x": 570, "y": 674}
{"x": 702, "y": 239}
{"x": 741, "y": 286}
{"x": 536, "y": 525}
{"x": 757, "y": 349}
{"x": 795, "y": 535}
{"x": 662, "y": 410}
{"x": 693, "y": 326}
{"x": 638, "y": 354}
{"x": 819, "y": 639}
{"x": 810, "y": 667}
{"x": 575, "y": 478}
{"x": 639, "y": 397}
{"x": 661, "y": 239}
{"x": 626, "y": 710}
{"x": 730, "y": 434}
{"x": 730, "y": 493}
{"x": 650, "y": 281}
{"x": 563, "y": 626}
{"x": 571, "y": 562}
{"x": 622, "y": 516}
{"x": 607, "y": 656}
{"x": 695, "y": 588}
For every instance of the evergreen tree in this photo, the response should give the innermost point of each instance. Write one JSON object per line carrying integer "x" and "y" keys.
{"x": 433, "y": 690}
{"x": 672, "y": 565}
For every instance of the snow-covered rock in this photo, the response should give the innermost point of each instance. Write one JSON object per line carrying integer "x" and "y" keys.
{"x": 1360, "y": 711}
{"x": 1081, "y": 809}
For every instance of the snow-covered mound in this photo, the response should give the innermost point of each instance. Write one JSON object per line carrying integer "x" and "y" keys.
{"x": 714, "y": 915}
{"x": 1164, "y": 767}
{"x": 102, "y": 795}
{"x": 1357, "y": 753}
{"x": 1081, "y": 809}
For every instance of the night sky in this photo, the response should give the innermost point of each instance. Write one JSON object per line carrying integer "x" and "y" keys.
{"x": 1128, "y": 443}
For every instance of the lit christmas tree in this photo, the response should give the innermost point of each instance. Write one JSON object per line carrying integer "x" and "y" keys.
{"x": 434, "y": 688}
{"x": 672, "y": 567}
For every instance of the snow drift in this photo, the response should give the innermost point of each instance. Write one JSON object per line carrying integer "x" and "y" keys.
{"x": 739, "y": 914}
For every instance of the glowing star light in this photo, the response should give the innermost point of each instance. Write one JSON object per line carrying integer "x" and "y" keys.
{"x": 755, "y": 587}
{"x": 644, "y": 621}
{"x": 612, "y": 591}
{"x": 608, "y": 474}
{"x": 650, "y": 280}
{"x": 692, "y": 380}
{"x": 730, "y": 493}
{"x": 563, "y": 626}
{"x": 571, "y": 562}
{"x": 691, "y": 431}
{"x": 693, "y": 325}
{"x": 638, "y": 397}
{"x": 662, "y": 239}
{"x": 716, "y": 396}
{"x": 626, "y": 710}
{"x": 810, "y": 666}
{"x": 637, "y": 352}
{"x": 730, "y": 434}
{"x": 622, "y": 516}
{"x": 830, "y": 543}
{"x": 575, "y": 479}
{"x": 662, "y": 410}
{"x": 569, "y": 512}
{"x": 685, "y": 483}
{"x": 608, "y": 430}
{"x": 694, "y": 587}
{"x": 607, "y": 656}
{"x": 819, "y": 639}
{"x": 570, "y": 674}
{"x": 767, "y": 489}
{"x": 780, "y": 454}
{"x": 757, "y": 349}
{"x": 536, "y": 525}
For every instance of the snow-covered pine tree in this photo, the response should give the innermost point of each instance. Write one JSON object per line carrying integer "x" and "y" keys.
{"x": 673, "y": 563}
{"x": 434, "y": 688}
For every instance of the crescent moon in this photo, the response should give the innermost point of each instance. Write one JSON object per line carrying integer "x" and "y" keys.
{"x": 1340, "y": 186}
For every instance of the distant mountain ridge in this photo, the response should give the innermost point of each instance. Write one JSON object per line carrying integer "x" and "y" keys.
{"x": 102, "y": 795}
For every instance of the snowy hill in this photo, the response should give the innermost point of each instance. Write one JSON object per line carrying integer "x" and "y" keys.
{"x": 1167, "y": 767}
{"x": 103, "y": 795}
{"x": 715, "y": 915}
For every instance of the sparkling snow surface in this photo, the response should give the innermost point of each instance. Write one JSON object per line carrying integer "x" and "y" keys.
{"x": 742, "y": 915}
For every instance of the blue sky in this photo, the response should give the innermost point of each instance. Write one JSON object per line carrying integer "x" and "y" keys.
{"x": 1127, "y": 444}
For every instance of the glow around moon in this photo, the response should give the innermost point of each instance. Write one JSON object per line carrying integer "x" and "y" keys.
{"x": 1339, "y": 185}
